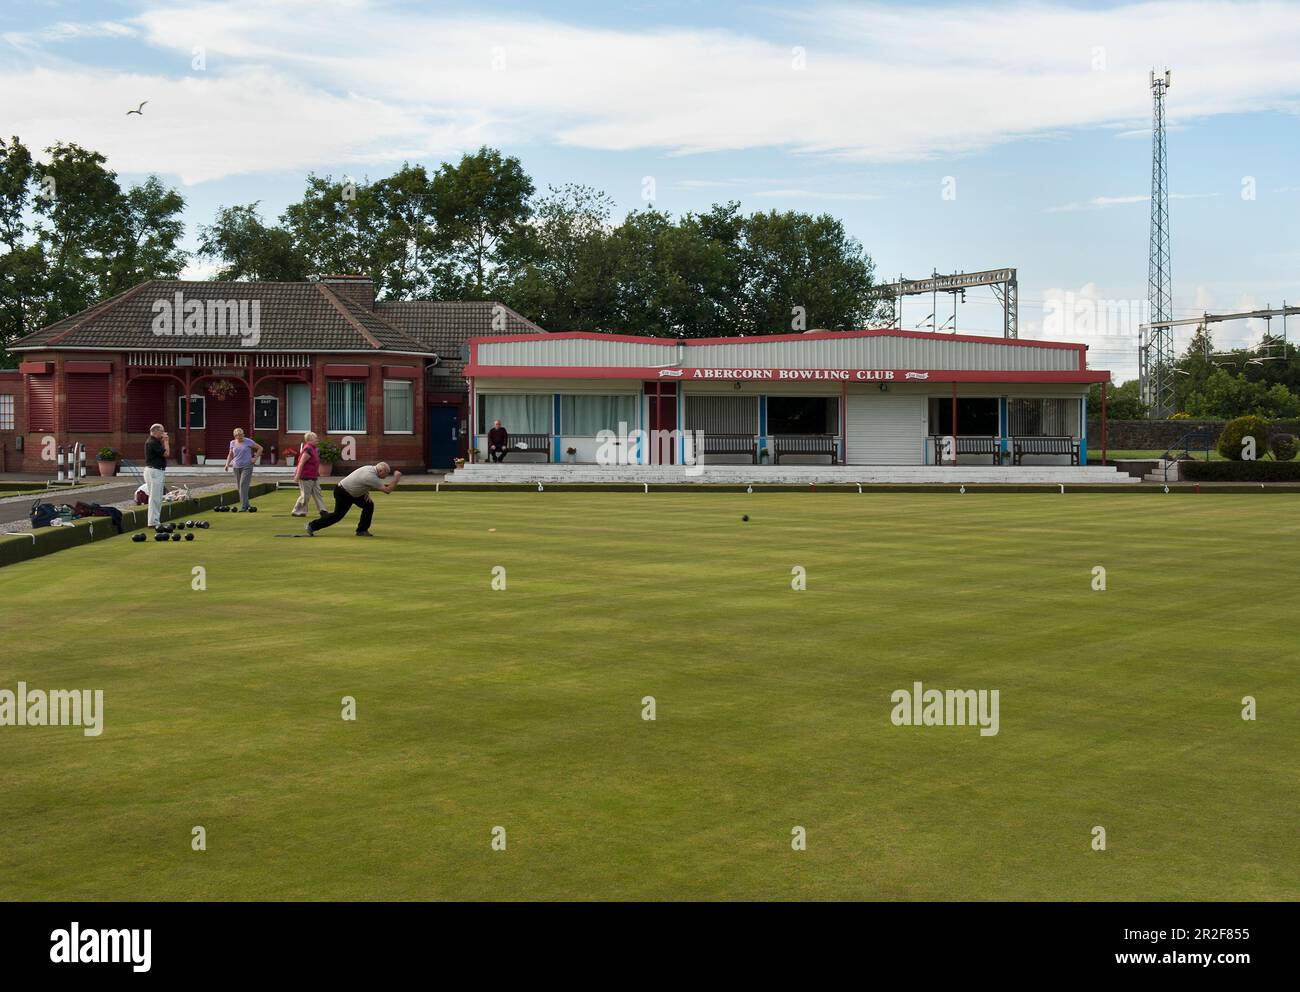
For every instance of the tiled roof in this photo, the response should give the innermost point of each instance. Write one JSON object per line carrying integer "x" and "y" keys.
{"x": 444, "y": 326}
{"x": 294, "y": 316}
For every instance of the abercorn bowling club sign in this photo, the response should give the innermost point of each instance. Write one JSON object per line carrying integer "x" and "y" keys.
{"x": 797, "y": 375}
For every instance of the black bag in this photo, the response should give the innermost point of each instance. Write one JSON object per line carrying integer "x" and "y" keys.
{"x": 43, "y": 513}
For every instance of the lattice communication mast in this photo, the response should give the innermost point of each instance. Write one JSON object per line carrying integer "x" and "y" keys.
{"x": 1156, "y": 346}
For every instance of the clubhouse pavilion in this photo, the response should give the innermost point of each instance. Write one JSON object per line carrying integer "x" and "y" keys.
{"x": 873, "y": 397}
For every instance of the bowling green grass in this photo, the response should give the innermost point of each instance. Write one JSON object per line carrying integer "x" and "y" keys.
{"x": 523, "y": 708}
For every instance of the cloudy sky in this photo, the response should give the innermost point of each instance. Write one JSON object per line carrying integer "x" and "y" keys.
{"x": 946, "y": 136}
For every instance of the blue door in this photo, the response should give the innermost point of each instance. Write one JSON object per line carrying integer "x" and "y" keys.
{"x": 444, "y": 439}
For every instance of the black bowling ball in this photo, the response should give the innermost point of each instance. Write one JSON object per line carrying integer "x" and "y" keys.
{"x": 137, "y": 537}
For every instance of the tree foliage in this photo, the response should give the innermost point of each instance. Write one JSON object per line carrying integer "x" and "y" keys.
{"x": 70, "y": 235}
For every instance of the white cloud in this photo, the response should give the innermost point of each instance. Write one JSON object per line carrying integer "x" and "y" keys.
{"x": 1098, "y": 202}
{"x": 298, "y": 83}
{"x": 809, "y": 194}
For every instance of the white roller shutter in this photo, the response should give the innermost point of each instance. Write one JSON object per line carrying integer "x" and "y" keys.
{"x": 885, "y": 429}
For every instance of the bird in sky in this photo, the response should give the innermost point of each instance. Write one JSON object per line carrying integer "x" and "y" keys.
{"x": 138, "y": 110}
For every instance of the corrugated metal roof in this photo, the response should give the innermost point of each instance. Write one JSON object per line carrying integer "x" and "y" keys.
{"x": 881, "y": 351}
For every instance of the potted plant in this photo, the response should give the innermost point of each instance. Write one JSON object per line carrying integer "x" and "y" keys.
{"x": 108, "y": 461}
{"x": 473, "y": 454}
{"x": 290, "y": 456}
{"x": 572, "y": 453}
{"x": 330, "y": 455}
{"x": 460, "y": 463}
{"x": 200, "y": 458}
{"x": 763, "y": 456}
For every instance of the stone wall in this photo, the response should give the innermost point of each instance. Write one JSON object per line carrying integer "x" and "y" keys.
{"x": 1145, "y": 435}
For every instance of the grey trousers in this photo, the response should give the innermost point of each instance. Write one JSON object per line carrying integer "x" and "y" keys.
{"x": 243, "y": 476}
{"x": 308, "y": 489}
{"x": 155, "y": 479}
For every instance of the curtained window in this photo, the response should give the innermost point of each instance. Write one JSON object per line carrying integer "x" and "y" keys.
{"x": 345, "y": 402}
{"x": 519, "y": 413}
{"x": 585, "y": 415}
{"x": 297, "y": 399}
{"x": 399, "y": 406}
{"x": 1038, "y": 418}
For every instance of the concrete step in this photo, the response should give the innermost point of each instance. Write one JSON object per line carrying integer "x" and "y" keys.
{"x": 479, "y": 474}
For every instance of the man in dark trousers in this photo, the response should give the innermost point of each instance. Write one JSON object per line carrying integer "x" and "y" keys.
{"x": 355, "y": 490}
{"x": 497, "y": 441}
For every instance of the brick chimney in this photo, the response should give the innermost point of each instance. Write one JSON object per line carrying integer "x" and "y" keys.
{"x": 358, "y": 289}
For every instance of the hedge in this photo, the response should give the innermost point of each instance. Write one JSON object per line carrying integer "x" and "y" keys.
{"x": 27, "y": 545}
{"x": 1226, "y": 471}
{"x": 1235, "y": 431}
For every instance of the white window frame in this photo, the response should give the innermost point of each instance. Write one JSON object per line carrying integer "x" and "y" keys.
{"x": 7, "y": 412}
{"x": 410, "y": 388}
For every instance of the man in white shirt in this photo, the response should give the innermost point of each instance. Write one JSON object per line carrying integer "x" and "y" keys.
{"x": 355, "y": 490}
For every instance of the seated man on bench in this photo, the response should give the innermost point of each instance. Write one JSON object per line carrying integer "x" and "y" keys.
{"x": 498, "y": 441}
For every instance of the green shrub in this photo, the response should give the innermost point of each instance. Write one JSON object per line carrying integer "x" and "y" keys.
{"x": 1284, "y": 447}
{"x": 329, "y": 453}
{"x": 1234, "y": 431}
{"x": 1227, "y": 471}
{"x": 110, "y": 455}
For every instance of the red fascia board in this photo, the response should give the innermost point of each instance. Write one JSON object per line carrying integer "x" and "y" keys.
{"x": 36, "y": 368}
{"x": 98, "y": 367}
{"x": 764, "y": 338}
{"x": 932, "y": 375}
{"x": 401, "y": 372}
{"x": 348, "y": 371}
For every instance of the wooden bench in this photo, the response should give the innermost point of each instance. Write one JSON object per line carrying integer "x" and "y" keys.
{"x": 1021, "y": 446}
{"x": 802, "y": 444}
{"x": 530, "y": 444}
{"x": 727, "y": 444}
{"x": 969, "y": 444}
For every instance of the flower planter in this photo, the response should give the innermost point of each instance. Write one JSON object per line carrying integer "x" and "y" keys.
{"x": 108, "y": 468}
{"x": 326, "y": 470}
{"x": 200, "y": 460}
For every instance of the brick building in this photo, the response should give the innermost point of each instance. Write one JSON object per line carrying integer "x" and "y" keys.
{"x": 276, "y": 359}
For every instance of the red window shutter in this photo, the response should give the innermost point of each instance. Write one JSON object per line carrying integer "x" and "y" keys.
{"x": 40, "y": 402}
{"x": 88, "y": 402}
{"x": 144, "y": 405}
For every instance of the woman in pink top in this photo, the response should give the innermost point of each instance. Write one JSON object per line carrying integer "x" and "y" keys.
{"x": 307, "y": 475}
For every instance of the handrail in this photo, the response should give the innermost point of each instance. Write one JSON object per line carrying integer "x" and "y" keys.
{"x": 1184, "y": 442}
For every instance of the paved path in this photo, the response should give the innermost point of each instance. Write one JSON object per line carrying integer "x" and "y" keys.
{"x": 115, "y": 490}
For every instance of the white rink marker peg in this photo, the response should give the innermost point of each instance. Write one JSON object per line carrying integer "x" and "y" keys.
{"x": 539, "y": 488}
{"x": 1062, "y": 488}
{"x": 749, "y": 488}
{"x": 962, "y": 490}
{"x": 647, "y": 487}
{"x": 859, "y": 488}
